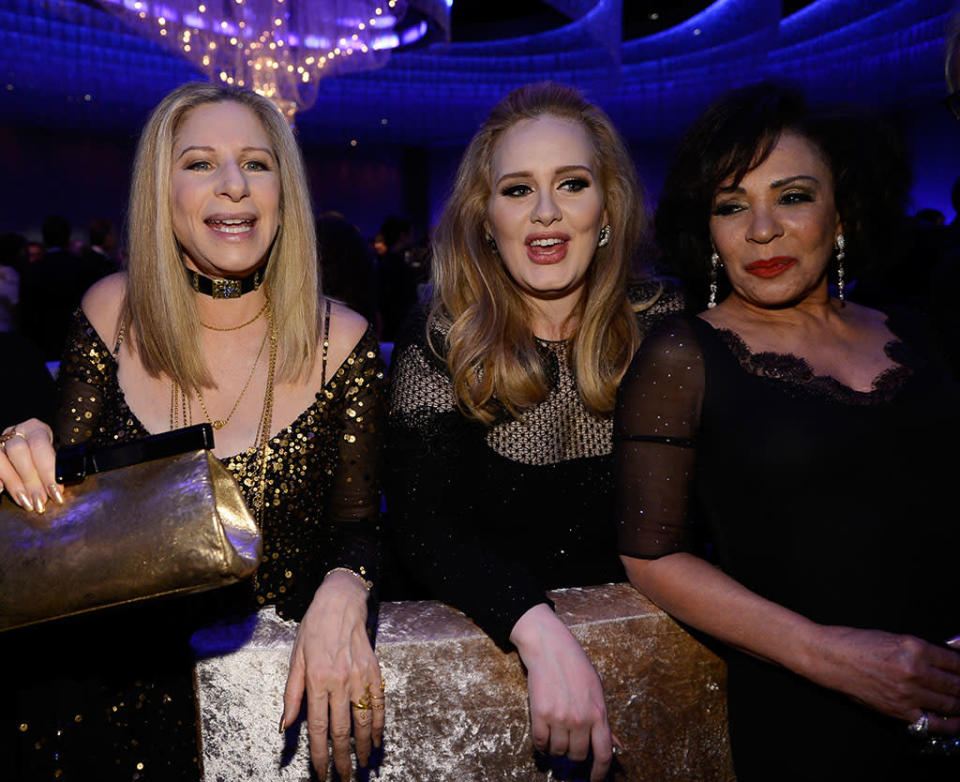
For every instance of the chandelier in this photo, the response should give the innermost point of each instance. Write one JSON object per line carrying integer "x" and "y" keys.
{"x": 281, "y": 49}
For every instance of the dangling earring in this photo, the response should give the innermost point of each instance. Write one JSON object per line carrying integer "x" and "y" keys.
{"x": 840, "y": 246}
{"x": 491, "y": 242}
{"x": 605, "y": 235}
{"x": 714, "y": 266}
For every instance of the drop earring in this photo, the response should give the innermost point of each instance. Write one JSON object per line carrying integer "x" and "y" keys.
{"x": 605, "y": 235}
{"x": 714, "y": 267}
{"x": 840, "y": 246}
{"x": 491, "y": 242}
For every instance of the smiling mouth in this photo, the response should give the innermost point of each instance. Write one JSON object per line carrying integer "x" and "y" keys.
{"x": 237, "y": 225}
{"x": 547, "y": 249}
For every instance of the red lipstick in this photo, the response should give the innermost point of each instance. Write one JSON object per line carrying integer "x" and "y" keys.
{"x": 547, "y": 248}
{"x": 770, "y": 267}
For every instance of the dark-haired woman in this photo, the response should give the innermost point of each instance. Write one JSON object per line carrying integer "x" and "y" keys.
{"x": 801, "y": 435}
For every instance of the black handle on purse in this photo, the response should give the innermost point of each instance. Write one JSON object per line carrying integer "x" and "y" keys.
{"x": 76, "y": 462}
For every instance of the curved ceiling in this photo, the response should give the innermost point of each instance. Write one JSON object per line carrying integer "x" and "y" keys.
{"x": 68, "y": 63}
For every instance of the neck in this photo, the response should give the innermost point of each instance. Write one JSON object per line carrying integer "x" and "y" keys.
{"x": 553, "y": 319}
{"x": 815, "y": 308}
{"x": 226, "y": 313}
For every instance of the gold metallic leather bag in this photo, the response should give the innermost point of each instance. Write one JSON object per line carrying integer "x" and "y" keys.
{"x": 157, "y": 517}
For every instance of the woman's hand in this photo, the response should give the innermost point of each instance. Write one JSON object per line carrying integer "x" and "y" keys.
{"x": 567, "y": 712}
{"x": 28, "y": 465}
{"x": 898, "y": 675}
{"x": 332, "y": 660}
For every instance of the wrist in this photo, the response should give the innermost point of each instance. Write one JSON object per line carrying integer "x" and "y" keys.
{"x": 345, "y": 572}
{"x": 533, "y": 627}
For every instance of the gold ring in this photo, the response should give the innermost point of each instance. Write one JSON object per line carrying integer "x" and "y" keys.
{"x": 363, "y": 704}
{"x": 6, "y": 438}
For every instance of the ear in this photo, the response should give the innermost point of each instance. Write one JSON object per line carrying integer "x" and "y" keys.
{"x": 604, "y": 218}
{"x": 486, "y": 228}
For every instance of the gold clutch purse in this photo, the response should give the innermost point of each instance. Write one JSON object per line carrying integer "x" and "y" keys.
{"x": 156, "y": 517}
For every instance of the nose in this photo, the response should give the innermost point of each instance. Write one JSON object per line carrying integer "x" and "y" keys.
{"x": 545, "y": 210}
{"x": 232, "y": 182}
{"x": 764, "y": 226}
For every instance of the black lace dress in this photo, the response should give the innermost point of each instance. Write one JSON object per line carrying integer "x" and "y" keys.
{"x": 488, "y": 518}
{"x": 834, "y": 503}
{"x": 109, "y": 696}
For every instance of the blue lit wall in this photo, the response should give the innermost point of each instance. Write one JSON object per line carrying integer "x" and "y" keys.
{"x": 75, "y": 78}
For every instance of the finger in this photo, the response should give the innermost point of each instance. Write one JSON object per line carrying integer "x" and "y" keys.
{"x": 539, "y": 731}
{"x": 954, "y": 643}
{"x": 943, "y": 726}
{"x": 293, "y": 692}
{"x": 379, "y": 703}
{"x": 340, "y": 731}
{"x": 559, "y": 740}
{"x": 30, "y": 451}
{"x": 317, "y": 723}
{"x": 944, "y": 659}
{"x": 602, "y": 741}
{"x": 579, "y": 744}
{"x": 362, "y": 730}
{"x": 10, "y": 479}
{"x": 21, "y": 477}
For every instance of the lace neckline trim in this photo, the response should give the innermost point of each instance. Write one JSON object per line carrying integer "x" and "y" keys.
{"x": 796, "y": 372}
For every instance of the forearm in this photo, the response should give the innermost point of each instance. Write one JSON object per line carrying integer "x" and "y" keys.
{"x": 704, "y": 597}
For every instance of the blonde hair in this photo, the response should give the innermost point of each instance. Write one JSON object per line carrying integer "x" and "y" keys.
{"x": 160, "y": 305}
{"x": 490, "y": 349}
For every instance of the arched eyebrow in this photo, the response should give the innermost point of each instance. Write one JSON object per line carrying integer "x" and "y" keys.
{"x": 210, "y": 150}
{"x": 560, "y": 171}
{"x": 777, "y": 183}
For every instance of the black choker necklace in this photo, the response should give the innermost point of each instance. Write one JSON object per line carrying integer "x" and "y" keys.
{"x": 226, "y": 287}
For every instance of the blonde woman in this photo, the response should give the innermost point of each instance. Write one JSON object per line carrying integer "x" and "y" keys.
{"x": 500, "y": 438}
{"x": 218, "y": 319}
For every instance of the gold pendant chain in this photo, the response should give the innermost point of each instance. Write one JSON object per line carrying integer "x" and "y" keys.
{"x": 245, "y": 323}
{"x": 219, "y": 423}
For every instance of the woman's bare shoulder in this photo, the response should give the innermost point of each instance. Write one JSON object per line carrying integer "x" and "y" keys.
{"x": 346, "y": 330}
{"x": 102, "y": 304}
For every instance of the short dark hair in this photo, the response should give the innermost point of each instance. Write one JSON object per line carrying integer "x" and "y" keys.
{"x": 100, "y": 228}
{"x": 56, "y": 231}
{"x": 738, "y": 132}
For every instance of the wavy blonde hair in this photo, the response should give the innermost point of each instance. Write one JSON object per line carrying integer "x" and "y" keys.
{"x": 490, "y": 349}
{"x": 160, "y": 304}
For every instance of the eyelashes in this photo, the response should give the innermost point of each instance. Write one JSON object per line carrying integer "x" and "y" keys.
{"x": 572, "y": 185}
{"x": 789, "y": 198}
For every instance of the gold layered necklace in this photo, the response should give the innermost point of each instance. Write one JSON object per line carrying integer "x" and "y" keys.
{"x": 182, "y": 415}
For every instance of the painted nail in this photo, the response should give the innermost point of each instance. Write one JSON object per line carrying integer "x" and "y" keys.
{"x": 281, "y": 724}
{"x": 57, "y": 494}
{"x": 23, "y": 501}
{"x": 38, "y": 503}
{"x": 954, "y": 643}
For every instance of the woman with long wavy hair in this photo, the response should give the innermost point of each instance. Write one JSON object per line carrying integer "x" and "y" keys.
{"x": 502, "y": 394}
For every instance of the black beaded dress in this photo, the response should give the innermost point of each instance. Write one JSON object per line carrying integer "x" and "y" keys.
{"x": 488, "y": 518}
{"x": 109, "y": 696}
{"x": 835, "y": 503}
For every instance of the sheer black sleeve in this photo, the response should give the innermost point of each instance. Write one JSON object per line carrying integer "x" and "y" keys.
{"x": 433, "y": 487}
{"x": 82, "y": 382}
{"x": 655, "y": 426}
{"x": 353, "y": 510}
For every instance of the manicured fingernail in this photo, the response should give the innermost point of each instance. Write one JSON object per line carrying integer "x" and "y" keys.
{"x": 23, "y": 501}
{"x": 38, "y": 503}
{"x": 281, "y": 724}
{"x": 57, "y": 494}
{"x": 954, "y": 642}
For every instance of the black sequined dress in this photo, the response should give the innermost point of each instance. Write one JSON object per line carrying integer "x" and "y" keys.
{"x": 488, "y": 518}
{"x": 835, "y": 503}
{"x": 109, "y": 696}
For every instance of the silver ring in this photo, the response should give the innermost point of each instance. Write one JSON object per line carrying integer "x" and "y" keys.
{"x": 921, "y": 725}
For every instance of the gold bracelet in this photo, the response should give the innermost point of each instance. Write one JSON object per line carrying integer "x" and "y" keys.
{"x": 368, "y": 585}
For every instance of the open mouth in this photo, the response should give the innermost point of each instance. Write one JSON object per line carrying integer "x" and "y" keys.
{"x": 232, "y": 225}
{"x": 547, "y": 249}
